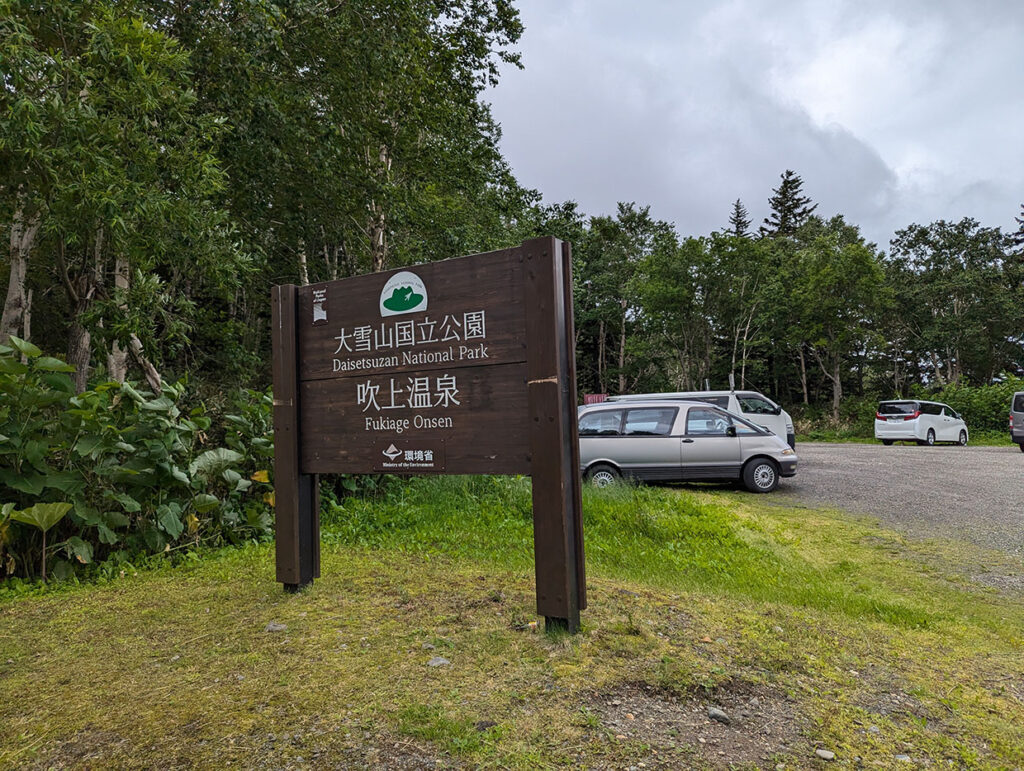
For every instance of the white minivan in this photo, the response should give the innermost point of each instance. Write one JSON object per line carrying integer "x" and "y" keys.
{"x": 754, "y": 406}
{"x": 913, "y": 420}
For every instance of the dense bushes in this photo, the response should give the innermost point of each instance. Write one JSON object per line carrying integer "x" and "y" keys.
{"x": 984, "y": 408}
{"x": 133, "y": 470}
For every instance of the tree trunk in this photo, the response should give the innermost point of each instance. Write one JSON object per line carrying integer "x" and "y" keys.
{"x": 79, "y": 348}
{"x": 378, "y": 222}
{"x": 837, "y": 389}
{"x": 117, "y": 359}
{"x": 22, "y": 238}
{"x": 937, "y": 365}
{"x": 148, "y": 370}
{"x": 803, "y": 373}
{"x": 622, "y": 351}
{"x": 28, "y": 316}
{"x": 303, "y": 265}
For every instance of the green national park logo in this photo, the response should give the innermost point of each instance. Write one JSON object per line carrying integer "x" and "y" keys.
{"x": 403, "y": 293}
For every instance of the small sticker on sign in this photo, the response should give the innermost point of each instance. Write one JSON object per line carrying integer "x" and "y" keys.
{"x": 319, "y": 306}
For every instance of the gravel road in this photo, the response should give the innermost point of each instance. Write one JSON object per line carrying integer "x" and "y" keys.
{"x": 970, "y": 493}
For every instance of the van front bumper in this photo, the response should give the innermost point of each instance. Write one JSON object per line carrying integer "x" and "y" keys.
{"x": 787, "y": 467}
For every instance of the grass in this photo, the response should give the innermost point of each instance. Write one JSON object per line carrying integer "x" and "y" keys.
{"x": 696, "y": 597}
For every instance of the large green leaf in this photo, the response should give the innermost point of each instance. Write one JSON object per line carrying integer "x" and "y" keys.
{"x": 107, "y": 535}
{"x": 11, "y": 366}
{"x": 170, "y": 521}
{"x": 89, "y": 444}
{"x": 213, "y": 462}
{"x": 27, "y": 349}
{"x": 205, "y": 502}
{"x": 42, "y": 515}
{"x": 79, "y": 549}
{"x": 50, "y": 364}
{"x": 34, "y": 451}
{"x": 127, "y": 502}
{"x": 29, "y": 483}
{"x": 68, "y": 482}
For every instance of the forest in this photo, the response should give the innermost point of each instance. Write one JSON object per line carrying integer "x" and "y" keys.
{"x": 163, "y": 164}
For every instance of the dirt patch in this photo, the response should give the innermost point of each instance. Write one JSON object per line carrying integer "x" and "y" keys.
{"x": 895, "y": 704}
{"x": 759, "y": 727}
{"x": 83, "y": 749}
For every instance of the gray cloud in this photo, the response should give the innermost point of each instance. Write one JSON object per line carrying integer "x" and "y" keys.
{"x": 891, "y": 116}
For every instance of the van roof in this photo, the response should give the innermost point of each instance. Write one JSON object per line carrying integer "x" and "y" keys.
{"x": 634, "y": 403}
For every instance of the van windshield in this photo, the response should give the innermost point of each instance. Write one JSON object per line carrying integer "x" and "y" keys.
{"x": 897, "y": 408}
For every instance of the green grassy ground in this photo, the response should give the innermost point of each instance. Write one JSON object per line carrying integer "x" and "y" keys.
{"x": 828, "y": 632}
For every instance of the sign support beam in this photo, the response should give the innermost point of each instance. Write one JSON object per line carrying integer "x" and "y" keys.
{"x": 554, "y": 447}
{"x": 296, "y": 495}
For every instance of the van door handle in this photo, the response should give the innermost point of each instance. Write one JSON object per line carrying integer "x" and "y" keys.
{"x": 687, "y": 441}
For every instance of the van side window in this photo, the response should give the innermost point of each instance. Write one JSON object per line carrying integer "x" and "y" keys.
{"x": 947, "y": 410}
{"x": 755, "y": 405}
{"x": 604, "y": 423}
{"x": 701, "y": 421}
{"x": 931, "y": 409}
{"x": 655, "y": 421}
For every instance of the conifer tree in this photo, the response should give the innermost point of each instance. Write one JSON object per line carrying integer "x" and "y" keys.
{"x": 1017, "y": 237}
{"x": 789, "y": 209}
{"x": 739, "y": 220}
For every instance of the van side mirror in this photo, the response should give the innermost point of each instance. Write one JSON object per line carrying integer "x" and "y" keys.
{"x": 777, "y": 410}
{"x": 730, "y": 430}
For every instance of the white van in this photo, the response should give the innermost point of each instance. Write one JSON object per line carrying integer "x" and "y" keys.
{"x": 913, "y": 420}
{"x": 754, "y": 406}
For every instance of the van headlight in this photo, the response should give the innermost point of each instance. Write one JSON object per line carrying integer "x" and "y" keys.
{"x": 789, "y": 451}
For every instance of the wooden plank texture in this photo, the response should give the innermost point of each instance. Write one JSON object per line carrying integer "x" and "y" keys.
{"x": 286, "y": 434}
{"x": 485, "y": 433}
{"x": 551, "y": 411}
{"x": 474, "y": 315}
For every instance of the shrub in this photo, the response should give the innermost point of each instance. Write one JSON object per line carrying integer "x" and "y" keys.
{"x": 132, "y": 466}
{"x": 984, "y": 408}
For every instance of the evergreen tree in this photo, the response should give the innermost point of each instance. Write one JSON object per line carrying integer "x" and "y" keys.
{"x": 1018, "y": 235}
{"x": 739, "y": 220}
{"x": 789, "y": 208}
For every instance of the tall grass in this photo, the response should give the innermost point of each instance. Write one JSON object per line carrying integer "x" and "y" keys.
{"x": 671, "y": 538}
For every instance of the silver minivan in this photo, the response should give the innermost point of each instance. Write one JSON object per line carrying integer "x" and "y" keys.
{"x": 1017, "y": 419}
{"x": 754, "y": 406}
{"x": 679, "y": 441}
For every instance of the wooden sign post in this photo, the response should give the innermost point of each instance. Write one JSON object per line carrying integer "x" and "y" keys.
{"x": 465, "y": 366}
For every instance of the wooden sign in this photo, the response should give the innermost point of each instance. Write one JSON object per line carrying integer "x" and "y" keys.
{"x": 464, "y": 366}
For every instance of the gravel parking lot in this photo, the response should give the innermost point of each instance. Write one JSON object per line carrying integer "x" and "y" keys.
{"x": 971, "y": 493}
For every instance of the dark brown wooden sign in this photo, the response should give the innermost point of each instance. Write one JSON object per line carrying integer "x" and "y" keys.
{"x": 464, "y": 366}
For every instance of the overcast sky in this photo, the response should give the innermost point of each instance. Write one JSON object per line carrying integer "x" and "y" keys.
{"x": 891, "y": 112}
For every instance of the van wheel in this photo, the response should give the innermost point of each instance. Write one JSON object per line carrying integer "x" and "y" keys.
{"x": 887, "y": 442}
{"x": 603, "y": 475}
{"x": 963, "y": 439}
{"x": 761, "y": 475}
{"x": 1022, "y": 446}
{"x": 930, "y": 438}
